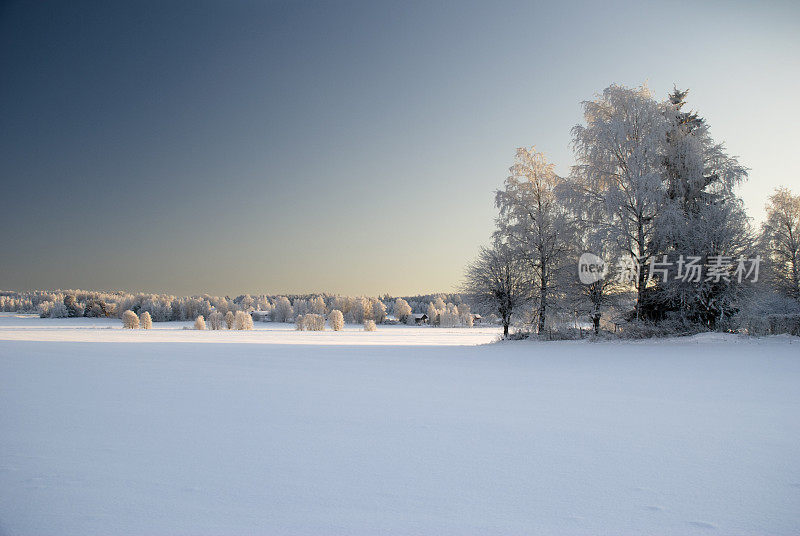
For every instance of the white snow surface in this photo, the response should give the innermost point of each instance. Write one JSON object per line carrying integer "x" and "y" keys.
{"x": 402, "y": 431}
{"x": 20, "y": 327}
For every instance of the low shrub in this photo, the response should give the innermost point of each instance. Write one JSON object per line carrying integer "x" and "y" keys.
{"x": 310, "y": 322}
{"x": 130, "y": 320}
{"x": 336, "y": 320}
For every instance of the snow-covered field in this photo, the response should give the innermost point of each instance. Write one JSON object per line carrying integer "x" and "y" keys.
{"x": 32, "y": 328}
{"x": 401, "y": 431}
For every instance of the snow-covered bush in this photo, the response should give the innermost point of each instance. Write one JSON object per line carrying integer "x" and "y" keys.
{"x": 773, "y": 324}
{"x": 369, "y": 325}
{"x": 310, "y": 322}
{"x": 216, "y": 320}
{"x": 130, "y": 320}
{"x": 243, "y": 321}
{"x": 336, "y": 319}
{"x": 666, "y": 328}
{"x": 200, "y": 322}
{"x": 59, "y": 310}
{"x": 147, "y": 322}
{"x": 44, "y": 309}
{"x": 229, "y": 319}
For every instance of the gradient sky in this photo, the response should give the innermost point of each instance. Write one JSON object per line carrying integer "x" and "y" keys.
{"x": 263, "y": 147}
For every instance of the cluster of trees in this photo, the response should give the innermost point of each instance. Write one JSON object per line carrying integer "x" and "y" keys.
{"x": 650, "y": 185}
{"x": 316, "y": 322}
{"x": 131, "y": 320}
{"x": 239, "y": 320}
{"x": 310, "y": 322}
{"x": 218, "y": 311}
{"x": 448, "y": 314}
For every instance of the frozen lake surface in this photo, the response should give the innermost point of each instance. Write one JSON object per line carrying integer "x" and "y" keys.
{"x": 402, "y": 431}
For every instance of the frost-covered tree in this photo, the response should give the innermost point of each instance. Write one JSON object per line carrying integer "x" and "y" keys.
{"x": 341, "y": 303}
{"x": 378, "y": 310}
{"x": 433, "y": 314}
{"x": 243, "y": 321}
{"x": 369, "y": 325}
{"x": 534, "y": 222}
{"x": 701, "y": 216}
{"x": 698, "y": 169}
{"x": 74, "y": 309}
{"x": 59, "y": 310}
{"x": 449, "y": 318}
{"x": 146, "y": 321}
{"x": 230, "y": 318}
{"x": 216, "y": 320}
{"x": 780, "y": 241}
{"x": 246, "y": 302}
{"x": 620, "y": 152}
{"x": 317, "y": 305}
{"x": 130, "y": 320}
{"x": 43, "y": 309}
{"x": 361, "y": 310}
{"x": 465, "y": 314}
{"x": 283, "y": 311}
{"x": 499, "y": 280}
{"x": 300, "y": 306}
{"x": 402, "y": 310}
{"x": 200, "y": 322}
{"x": 336, "y": 320}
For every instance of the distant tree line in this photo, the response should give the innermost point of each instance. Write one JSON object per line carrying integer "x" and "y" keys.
{"x": 220, "y": 312}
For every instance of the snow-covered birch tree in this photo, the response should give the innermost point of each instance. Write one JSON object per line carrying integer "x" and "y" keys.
{"x": 499, "y": 280}
{"x": 534, "y": 223}
{"x": 780, "y": 241}
{"x": 620, "y": 152}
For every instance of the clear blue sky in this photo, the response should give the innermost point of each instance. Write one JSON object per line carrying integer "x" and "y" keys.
{"x": 231, "y": 147}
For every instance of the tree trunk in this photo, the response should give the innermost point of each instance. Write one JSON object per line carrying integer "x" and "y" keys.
{"x": 596, "y": 317}
{"x": 505, "y": 329}
{"x": 542, "y": 307}
{"x": 640, "y": 282}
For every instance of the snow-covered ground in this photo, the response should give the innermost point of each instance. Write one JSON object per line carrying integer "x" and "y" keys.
{"x": 31, "y": 328}
{"x": 279, "y": 432}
